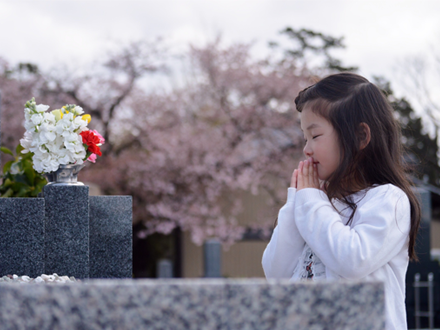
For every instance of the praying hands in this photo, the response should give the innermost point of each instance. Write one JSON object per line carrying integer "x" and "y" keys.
{"x": 306, "y": 176}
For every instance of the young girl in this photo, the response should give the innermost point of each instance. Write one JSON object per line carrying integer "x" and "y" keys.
{"x": 351, "y": 212}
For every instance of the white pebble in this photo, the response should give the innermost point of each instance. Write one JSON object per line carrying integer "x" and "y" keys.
{"x": 43, "y": 278}
{"x": 25, "y": 278}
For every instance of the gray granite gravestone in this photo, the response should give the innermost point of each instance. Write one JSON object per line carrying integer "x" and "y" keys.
{"x": 22, "y": 236}
{"x": 164, "y": 268}
{"x": 194, "y": 304}
{"x": 67, "y": 230}
{"x": 111, "y": 237}
{"x": 212, "y": 254}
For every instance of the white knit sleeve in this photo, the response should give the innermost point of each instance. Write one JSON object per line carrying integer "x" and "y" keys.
{"x": 286, "y": 244}
{"x": 378, "y": 233}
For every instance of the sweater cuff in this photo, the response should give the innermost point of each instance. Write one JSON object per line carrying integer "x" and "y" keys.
{"x": 310, "y": 194}
{"x": 291, "y": 195}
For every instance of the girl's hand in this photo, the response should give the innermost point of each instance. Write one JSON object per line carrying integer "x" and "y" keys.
{"x": 294, "y": 179}
{"x": 307, "y": 175}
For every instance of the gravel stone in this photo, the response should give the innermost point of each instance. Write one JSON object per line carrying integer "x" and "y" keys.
{"x": 54, "y": 278}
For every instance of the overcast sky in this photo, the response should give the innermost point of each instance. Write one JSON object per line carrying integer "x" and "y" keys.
{"x": 378, "y": 34}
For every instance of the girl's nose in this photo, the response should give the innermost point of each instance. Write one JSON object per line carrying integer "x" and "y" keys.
{"x": 307, "y": 151}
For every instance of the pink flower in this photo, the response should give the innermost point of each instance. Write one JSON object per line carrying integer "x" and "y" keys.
{"x": 92, "y": 158}
{"x": 101, "y": 139}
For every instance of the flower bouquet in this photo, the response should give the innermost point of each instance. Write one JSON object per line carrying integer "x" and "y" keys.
{"x": 59, "y": 137}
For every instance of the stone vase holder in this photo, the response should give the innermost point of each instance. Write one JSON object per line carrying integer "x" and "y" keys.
{"x": 65, "y": 175}
{"x": 66, "y": 232}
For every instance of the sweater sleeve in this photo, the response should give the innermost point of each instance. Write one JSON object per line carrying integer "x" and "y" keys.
{"x": 286, "y": 244}
{"x": 379, "y": 231}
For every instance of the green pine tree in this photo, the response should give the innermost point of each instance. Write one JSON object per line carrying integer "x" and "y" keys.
{"x": 421, "y": 148}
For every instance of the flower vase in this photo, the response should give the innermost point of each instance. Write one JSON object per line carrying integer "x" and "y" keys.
{"x": 66, "y": 175}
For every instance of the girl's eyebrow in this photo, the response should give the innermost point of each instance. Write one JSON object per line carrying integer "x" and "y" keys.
{"x": 312, "y": 126}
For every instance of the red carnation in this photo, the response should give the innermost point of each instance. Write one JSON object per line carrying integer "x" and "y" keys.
{"x": 92, "y": 142}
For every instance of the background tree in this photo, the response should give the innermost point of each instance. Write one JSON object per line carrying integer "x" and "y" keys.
{"x": 312, "y": 50}
{"x": 421, "y": 148}
{"x": 231, "y": 128}
{"x": 184, "y": 154}
{"x": 16, "y": 84}
{"x": 419, "y": 76}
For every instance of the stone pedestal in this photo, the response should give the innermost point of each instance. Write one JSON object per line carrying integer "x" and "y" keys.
{"x": 22, "y": 236}
{"x": 194, "y": 304}
{"x": 68, "y": 233}
{"x": 111, "y": 254}
{"x": 67, "y": 230}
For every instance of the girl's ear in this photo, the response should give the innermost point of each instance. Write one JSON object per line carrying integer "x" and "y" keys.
{"x": 364, "y": 135}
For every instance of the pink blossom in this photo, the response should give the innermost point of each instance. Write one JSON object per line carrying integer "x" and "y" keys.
{"x": 92, "y": 158}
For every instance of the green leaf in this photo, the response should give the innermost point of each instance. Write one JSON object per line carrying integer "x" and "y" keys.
{"x": 7, "y": 166}
{"x": 20, "y": 178}
{"x": 39, "y": 186}
{"x": 18, "y": 149}
{"x": 24, "y": 181}
{"x": 40, "y": 179}
{"x": 6, "y": 151}
{"x": 8, "y": 193}
{"x": 29, "y": 172}
{"x": 7, "y": 183}
{"x": 23, "y": 191}
{"x": 27, "y": 157}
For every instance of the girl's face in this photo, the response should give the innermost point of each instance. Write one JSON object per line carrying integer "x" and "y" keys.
{"x": 321, "y": 142}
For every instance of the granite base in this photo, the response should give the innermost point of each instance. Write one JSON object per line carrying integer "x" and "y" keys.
{"x": 22, "y": 236}
{"x": 193, "y": 304}
{"x": 111, "y": 236}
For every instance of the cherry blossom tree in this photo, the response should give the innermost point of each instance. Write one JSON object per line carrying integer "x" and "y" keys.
{"x": 186, "y": 154}
{"x": 16, "y": 84}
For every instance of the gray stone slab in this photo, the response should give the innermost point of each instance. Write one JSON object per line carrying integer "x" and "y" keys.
{"x": 67, "y": 230}
{"x": 111, "y": 231}
{"x": 193, "y": 304}
{"x": 282, "y": 305}
{"x": 22, "y": 236}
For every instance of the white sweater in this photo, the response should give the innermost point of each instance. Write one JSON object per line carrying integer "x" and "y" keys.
{"x": 373, "y": 247}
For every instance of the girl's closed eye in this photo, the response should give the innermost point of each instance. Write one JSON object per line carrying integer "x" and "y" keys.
{"x": 313, "y": 137}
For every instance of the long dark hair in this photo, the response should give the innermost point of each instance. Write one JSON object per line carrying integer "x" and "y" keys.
{"x": 346, "y": 100}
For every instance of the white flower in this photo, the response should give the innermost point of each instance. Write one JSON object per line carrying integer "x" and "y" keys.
{"x": 49, "y": 117}
{"x": 53, "y": 142}
{"x": 78, "y": 110}
{"x": 26, "y": 142}
{"x": 65, "y": 157}
{"x": 41, "y": 108}
{"x": 79, "y": 123}
{"x": 37, "y": 119}
{"x": 46, "y": 163}
{"x": 47, "y": 133}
